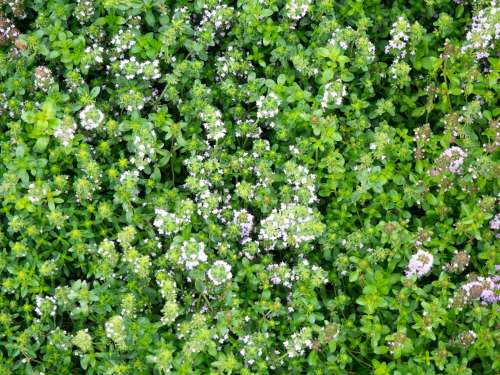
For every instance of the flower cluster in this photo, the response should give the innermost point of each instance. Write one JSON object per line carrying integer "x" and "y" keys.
{"x": 212, "y": 122}
{"x": 399, "y": 39}
{"x": 91, "y": 117}
{"x": 420, "y": 264}
{"x": 219, "y": 273}
{"x": 244, "y": 220}
{"x": 451, "y": 160}
{"x": 290, "y": 226}
{"x": 484, "y": 289}
{"x": 116, "y": 331}
{"x": 232, "y": 63}
{"x": 125, "y": 39}
{"x": 495, "y": 222}
{"x": 130, "y": 68}
{"x": 192, "y": 253}
{"x": 280, "y": 274}
{"x": 298, "y": 343}
{"x": 8, "y": 31}
{"x": 467, "y": 338}
{"x": 458, "y": 263}
{"x": 43, "y": 78}
{"x": 84, "y": 10}
{"x": 484, "y": 32}
{"x": 363, "y": 48}
{"x": 169, "y": 223}
{"x": 143, "y": 143}
{"x": 268, "y": 106}
{"x": 333, "y": 92}
{"x": 83, "y": 340}
{"x": 65, "y": 130}
{"x": 46, "y": 306}
{"x": 297, "y": 9}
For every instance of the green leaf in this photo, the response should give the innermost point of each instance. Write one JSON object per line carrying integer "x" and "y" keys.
{"x": 41, "y": 144}
{"x": 431, "y": 63}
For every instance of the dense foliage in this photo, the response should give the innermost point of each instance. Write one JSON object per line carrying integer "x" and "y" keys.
{"x": 249, "y": 187}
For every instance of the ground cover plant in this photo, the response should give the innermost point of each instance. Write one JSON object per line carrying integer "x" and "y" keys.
{"x": 249, "y": 187}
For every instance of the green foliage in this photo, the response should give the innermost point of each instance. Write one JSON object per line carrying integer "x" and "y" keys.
{"x": 249, "y": 187}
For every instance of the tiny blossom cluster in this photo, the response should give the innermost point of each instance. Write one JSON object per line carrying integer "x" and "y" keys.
{"x": 93, "y": 56}
{"x": 168, "y": 291}
{"x": 399, "y": 38}
{"x": 484, "y": 32}
{"x": 125, "y": 39}
{"x": 450, "y": 160}
{"x": 43, "y": 78}
{"x": 36, "y": 192}
{"x": 268, "y": 106}
{"x": 83, "y": 340}
{"x": 46, "y": 305}
{"x": 65, "y": 130}
{"x": 420, "y": 264}
{"x": 459, "y": 262}
{"x": 233, "y": 63}
{"x": 116, "y": 330}
{"x": 8, "y": 30}
{"x": 253, "y": 346}
{"x": 398, "y": 342}
{"x": 84, "y": 10}
{"x": 281, "y": 274}
{"x": 139, "y": 264}
{"x": 49, "y": 268}
{"x": 212, "y": 122}
{"x": 167, "y": 285}
{"x": 169, "y": 223}
{"x": 333, "y": 91}
{"x": 297, "y": 9}
{"x": 302, "y": 182}
{"x": 91, "y": 117}
{"x": 219, "y": 273}
{"x": 170, "y": 312}
{"x": 467, "y": 338}
{"x": 217, "y": 17}
{"x": 132, "y": 100}
{"x": 143, "y": 145}
{"x": 59, "y": 339}
{"x": 485, "y": 289}
{"x": 192, "y": 253}
{"x": 244, "y": 220}
{"x": 290, "y": 225}
{"x": 495, "y": 222}
{"x": 343, "y": 37}
{"x": 131, "y": 68}
{"x": 298, "y": 343}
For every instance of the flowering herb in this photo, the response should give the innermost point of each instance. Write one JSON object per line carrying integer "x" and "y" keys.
{"x": 249, "y": 187}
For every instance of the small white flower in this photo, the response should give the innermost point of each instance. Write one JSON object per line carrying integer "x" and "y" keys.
{"x": 220, "y": 272}
{"x": 192, "y": 253}
{"x": 91, "y": 117}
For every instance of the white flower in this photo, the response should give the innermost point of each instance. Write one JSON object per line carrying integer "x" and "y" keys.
{"x": 296, "y": 9}
{"x": 91, "y": 117}
{"x": 115, "y": 330}
{"x": 335, "y": 92}
{"x": 220, "y": 272}
{"x": 213, "y": 124}
{"x": 192, "y": 253}
{"x": 268, "y": 106}
{"x": 399, "y": 38}
{"x": 46, "y": 305}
